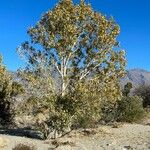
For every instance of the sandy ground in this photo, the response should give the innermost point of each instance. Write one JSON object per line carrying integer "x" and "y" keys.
{"x": 126, "y": 136}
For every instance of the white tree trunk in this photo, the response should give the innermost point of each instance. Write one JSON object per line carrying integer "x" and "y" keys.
{"x": 63, "y": 88}
{"x": 64, "y": 74}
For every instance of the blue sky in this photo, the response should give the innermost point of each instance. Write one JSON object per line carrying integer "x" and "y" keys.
{"x": 133, "y": 16}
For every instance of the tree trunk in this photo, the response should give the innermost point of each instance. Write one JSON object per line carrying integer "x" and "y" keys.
{"x": 64, "y": 75}
{"x": 63, "y": 89}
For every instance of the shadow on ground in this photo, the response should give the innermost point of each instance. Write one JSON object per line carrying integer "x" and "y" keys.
{"x": 23, "y": 132}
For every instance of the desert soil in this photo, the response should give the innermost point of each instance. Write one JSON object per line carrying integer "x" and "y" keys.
{"x": 124, "y": 137}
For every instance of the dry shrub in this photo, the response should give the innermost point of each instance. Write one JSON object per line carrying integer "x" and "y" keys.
{"x": 144, "y": 92}
{"x": 24, "y": 147}
{"x": 57, "y": 143}
{"x": 130, "y": 109}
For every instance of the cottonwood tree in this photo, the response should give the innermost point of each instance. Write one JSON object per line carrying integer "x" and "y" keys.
{"x": 78, "y": 43}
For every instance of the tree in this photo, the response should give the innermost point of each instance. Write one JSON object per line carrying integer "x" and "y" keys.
{"x": 127, "y": 89}
{"x": 144, "y": 92}
{"x": 76, "y": 43}
{"x": 9, "y": 89}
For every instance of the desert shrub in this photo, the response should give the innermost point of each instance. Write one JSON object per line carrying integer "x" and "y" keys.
{"x": 59, "y": 122}
{"x": 23, "y": 147}
{"x": 56, "y": 125}
{"x": 130, "y": 109}
{"x": 8, "y": 92}
{"x": 109, "y": 112}
{"x": 40, "y": 110}
{"x": 49, "y": 114}
{"x": 87, "y": 103}
{"x": 7, "y": 113}
{"x": 80, "y": 107}
{"x": 144, "y": 92}
{"x": 84, "y": 121}
{"x": 28, "y": 107}
{"x": 90, "y": 101}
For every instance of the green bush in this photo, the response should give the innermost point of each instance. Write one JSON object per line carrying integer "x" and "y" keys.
{"x": 86, "y": 106}
{"x": 51, "y": 114}
{"x": 81, "y": 107}
{"x": 78, "y": 108}
{"x": 8, "y": 92}
{"x": 109, "y": 112}
{"x": 130, "y": 109}
{"x": 144, "y": 92}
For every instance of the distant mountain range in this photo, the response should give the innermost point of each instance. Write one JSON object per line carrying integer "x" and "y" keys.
{"x": 137, "y": 77}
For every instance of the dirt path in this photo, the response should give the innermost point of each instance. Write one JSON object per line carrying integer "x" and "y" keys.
{"x": 128, "y": 136}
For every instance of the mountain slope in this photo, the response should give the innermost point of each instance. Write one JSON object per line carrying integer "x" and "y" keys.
{"x": 137, "y": 77}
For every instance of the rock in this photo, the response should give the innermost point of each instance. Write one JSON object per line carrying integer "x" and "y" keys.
{"x": 3, "y": 142}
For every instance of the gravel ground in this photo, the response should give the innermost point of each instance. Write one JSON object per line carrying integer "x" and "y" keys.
{"x": 124, "y": 137}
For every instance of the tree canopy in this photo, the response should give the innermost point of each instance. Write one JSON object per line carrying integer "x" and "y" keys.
{"x": 78, "y": 43}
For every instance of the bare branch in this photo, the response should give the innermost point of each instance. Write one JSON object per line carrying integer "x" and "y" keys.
{"x": 56, "y": 65}
{"x": 86, "y": 73}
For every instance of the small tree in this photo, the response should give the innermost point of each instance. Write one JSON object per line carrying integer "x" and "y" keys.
{"x": 127, "y": 89}
{"x": 8, "y": 91}
{"x": 130, "y": 109}
{"x": 144, "y": 92}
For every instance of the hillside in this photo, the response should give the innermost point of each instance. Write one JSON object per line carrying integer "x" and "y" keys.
{"x": 137, "y": 77}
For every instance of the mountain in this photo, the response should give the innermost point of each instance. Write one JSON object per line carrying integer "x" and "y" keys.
{"x": 137, "y": 77}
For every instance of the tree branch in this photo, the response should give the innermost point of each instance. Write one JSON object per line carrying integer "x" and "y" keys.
{"x": 58, "y": 68}
{"x": 86, "y": 73}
